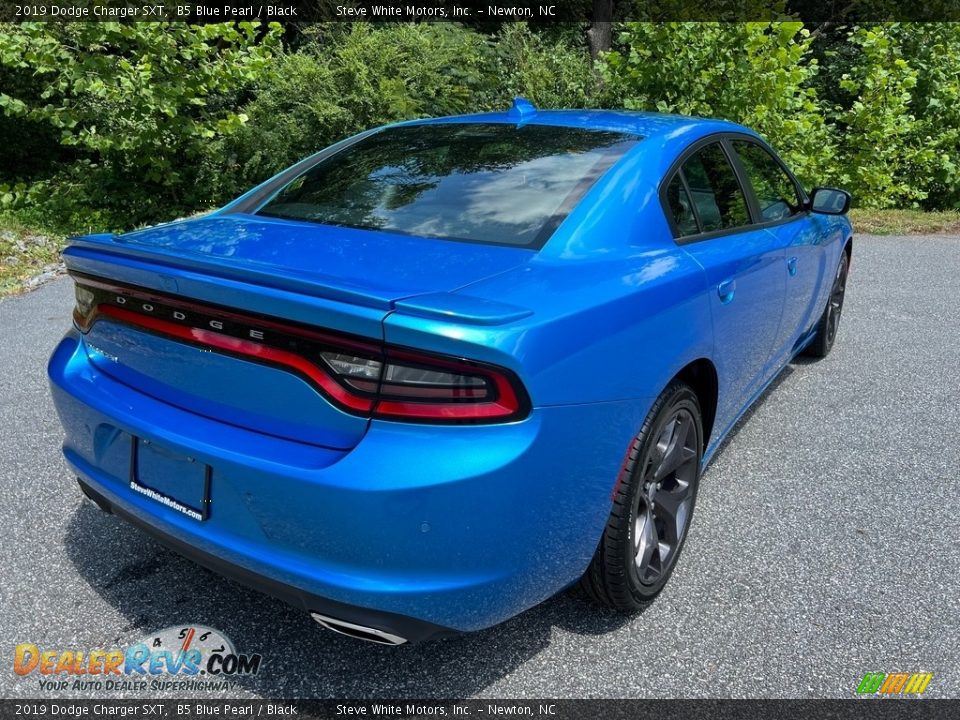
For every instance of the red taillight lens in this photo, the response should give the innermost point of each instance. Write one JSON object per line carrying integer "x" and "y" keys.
{"x": 425, "y": 387}
{"x": 356, "y": 375}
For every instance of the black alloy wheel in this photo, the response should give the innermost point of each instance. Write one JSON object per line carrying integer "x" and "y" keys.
{"x": 653, "y": 505}
{"x": 829, "y": 324}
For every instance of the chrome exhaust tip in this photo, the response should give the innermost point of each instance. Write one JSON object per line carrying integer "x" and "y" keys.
{"x": 359, "y": 632}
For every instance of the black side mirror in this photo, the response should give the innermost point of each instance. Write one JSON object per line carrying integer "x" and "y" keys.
{"x": 830, "y": 201}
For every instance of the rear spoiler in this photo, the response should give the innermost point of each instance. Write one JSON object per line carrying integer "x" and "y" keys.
{"x": 92, "y": 253}
{"x": 460, "y": 308}
{"x": 104, "y": 256}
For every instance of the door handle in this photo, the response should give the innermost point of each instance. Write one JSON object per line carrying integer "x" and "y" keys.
{"x": 792, "y": 266}
{"x": 726, "y": 289}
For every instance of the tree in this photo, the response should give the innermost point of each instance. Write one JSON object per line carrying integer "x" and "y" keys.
{"x": 600, "y": 33}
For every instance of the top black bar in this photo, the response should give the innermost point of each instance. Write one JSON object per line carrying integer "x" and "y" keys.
{"x": 477, "y": 11}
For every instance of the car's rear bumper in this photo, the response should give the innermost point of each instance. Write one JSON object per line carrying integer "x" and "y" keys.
{"x": 417, "y": 531}
{"x": 407, "y": 628}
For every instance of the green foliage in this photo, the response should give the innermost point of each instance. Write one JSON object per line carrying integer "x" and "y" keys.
{"x": 118, "y": 124}
{"x": 339, "y": 86}
{"x": 874, "y": 109}
{"x": 554, "y": 74}
{"x": 891, "y": 92}
{"x": 751, "y": 73}
{"x": 933, "y": 51}
{"x": 878, "y": 125}
{"x": 137, "y": 102}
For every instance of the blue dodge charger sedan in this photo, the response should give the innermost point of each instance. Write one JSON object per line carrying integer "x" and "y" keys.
{"x": 434, "y": 374}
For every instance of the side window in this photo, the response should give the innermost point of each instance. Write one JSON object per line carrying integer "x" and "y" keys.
{"x": 715, "y": 192}
{"x": 681, "y": 208}
{"x": 775, "y": 191}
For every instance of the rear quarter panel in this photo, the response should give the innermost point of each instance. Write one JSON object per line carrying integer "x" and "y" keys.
{"x": 617, "y": 308}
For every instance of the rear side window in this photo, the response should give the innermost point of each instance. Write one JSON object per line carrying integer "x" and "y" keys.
{"x": 775, "y": 191}
{"x": 681, "y": 207}
{"x": 487, "y": 183}
{"x": 715, "y": 191}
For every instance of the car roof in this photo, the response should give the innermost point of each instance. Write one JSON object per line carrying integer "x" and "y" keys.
{"x": 645, "y": 124}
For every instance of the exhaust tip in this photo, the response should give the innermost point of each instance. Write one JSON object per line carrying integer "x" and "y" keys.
{"x": 359, "y": 632}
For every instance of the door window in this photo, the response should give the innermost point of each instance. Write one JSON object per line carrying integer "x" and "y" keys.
{"x": 775, "y": 190}
{"x": 715, "y": 191}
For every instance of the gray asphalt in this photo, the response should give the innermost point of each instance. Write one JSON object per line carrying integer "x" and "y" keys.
{"x": 825, "y": 544}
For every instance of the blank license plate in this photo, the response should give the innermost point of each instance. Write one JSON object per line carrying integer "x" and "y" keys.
{"x": 177, "y": 481}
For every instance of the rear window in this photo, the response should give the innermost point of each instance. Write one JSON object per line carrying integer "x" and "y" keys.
{"x": 486, "y": 183}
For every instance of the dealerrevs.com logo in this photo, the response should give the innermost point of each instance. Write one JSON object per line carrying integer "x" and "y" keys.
{"x": 176, "y": 658}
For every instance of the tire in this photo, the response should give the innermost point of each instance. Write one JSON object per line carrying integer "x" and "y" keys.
{"x": 628, "y": 568}
{"x": 829, "y": 323}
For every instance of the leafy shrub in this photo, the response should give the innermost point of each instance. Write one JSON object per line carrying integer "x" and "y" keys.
{"x": 344, "y": 84}
{"x": 933, "y": 51}
{"x": 751, "y": 73}
{"x": 552, "y": 74}
{"x": 877, "y": 123}
{"x": 119, "y": 124}
{"x": 874, "y": 109}
{"x": 138, "y": 102}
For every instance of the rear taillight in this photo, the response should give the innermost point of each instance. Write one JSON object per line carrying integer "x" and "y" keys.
{"x": 358, "y": 376}
{"x": 413, "y": 386}
{"x": 85, "y": 307}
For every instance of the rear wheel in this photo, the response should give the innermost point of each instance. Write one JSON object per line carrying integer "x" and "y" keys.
{"x": 652, "y": 507}
{"x": 829, "y": 323}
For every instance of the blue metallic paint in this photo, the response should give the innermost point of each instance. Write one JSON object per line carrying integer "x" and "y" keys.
{"x": 462, "y": 526}
{"x": 350, "y": 525}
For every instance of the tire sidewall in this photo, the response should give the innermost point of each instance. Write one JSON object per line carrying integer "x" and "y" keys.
{"x": 675, "y": 398}
{"x": 842, "y": 270}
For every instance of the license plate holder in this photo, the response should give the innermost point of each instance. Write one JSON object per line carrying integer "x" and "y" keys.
{"x": 177, "y": 481}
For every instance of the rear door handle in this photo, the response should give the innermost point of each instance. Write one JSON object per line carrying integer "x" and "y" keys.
{"x": 792, "y": 266}
{"x": 726, "y": 289}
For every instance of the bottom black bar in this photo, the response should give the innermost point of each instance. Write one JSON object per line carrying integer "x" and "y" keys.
{"x": 864, "y": 708}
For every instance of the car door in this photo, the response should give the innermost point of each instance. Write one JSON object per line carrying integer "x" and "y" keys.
{"x": 782, "y": 209}
{"x": 743, "y": 265}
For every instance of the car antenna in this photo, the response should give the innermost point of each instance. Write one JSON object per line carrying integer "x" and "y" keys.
{"x": 522, "y": 109}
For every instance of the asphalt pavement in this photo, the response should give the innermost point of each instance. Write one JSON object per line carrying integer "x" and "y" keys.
{"x": 825, "y": 543}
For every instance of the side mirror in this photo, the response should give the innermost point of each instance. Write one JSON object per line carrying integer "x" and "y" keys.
{"x": 830, "y": 201}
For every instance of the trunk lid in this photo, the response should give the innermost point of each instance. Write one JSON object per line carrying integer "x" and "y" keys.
{"x": 347, "y": 264}
{"x": 328, "y": 278}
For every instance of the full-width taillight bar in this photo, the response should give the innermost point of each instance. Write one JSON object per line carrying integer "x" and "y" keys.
{"x": 355, "y": 374}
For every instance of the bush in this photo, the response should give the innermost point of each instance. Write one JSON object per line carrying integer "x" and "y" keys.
{"x": 139, "y": 103}
{"x": 120, "y": 124}
{"x": 933, "y": 51}
{"x": 757, "y": 74}
{"x": 368, "y": 75}
{"x": 882, "y": 120}
{"x": 555, "y": 74}
{"x": 876, "y": 123}
{"x": 329, "y": 90}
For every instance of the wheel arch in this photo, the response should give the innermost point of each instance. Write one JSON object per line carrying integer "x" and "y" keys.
{"x": 701, "y": 376}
